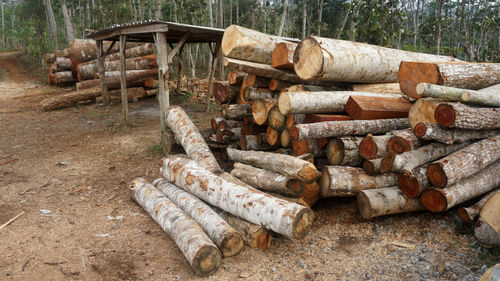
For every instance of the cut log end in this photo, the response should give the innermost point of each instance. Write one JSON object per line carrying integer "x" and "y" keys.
{"x": 420, "y": 130}
{"x": 294, "y": 133}
{"x": 284, "y": 104}
{"x": 308, "y": 59}
{"x": 364, "y": 205}
{"x": 309, "y": 173}
{"x": 207, "y": 261}
{"x": 387, "y": 162}
{"x": 275, "y": 119}
{"x": 408, "y": 184}
{"x": 300, "y": 147}
{"x": 434, "y": 201}
{"x": 410, "y": 74}
{"x": 369, "y": 167}
{"x": 462, "y": 212}
{"x": 302, "y": 223}
{"x": 368, "y": 148}
{"x": 437, "y": 176}
{"x": 272, "y": 136}
{"x": 445, "y": 115}
{"x": 398, "y": 144}
{"x": 232, "y": 244}
{"x": 297, "y": 187}
{"x": 324, "y": 182}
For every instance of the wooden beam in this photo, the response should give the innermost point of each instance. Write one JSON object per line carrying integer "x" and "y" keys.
{"x": 123, "y": 77}
{"x": 151, "y": 28}
{"x": 212, "y": 72}
{"x": 179, "y": 46}
{"x": 163, "y": 94}
{"x": 102, "y": 72}
{"x": 108, "y": 51}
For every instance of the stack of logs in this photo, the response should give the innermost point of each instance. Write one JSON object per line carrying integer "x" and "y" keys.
{"x": 77, "y": 66}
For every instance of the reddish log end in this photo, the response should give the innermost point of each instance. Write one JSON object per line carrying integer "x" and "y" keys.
{"x": 213, "y": 124}
{"x": 369, "y": 168}
{"x": 272, "y": 136}
{"x": 464, "y": 215}
{"x": 408, "y": 184}
{"x": 420, "y": 130}
{"x": 387, "y": 162}
{"x": 367, "y": 148}
{"x": 398, "y": 144}
{"x": 296, "y": 186}
{"x": 300, "y": 147}
{"x": 322, "y": 143}
{"x": 433, "y": 200}
{"x": 222, "y": 125}
{"x": 280, "y": 58}
{"x": 436, "y": 175}
{"x": 294, "y": 132}
{"x": 445, "y": 115}
{"x": 273, "y": 84}
{"x": 412, "y": 73}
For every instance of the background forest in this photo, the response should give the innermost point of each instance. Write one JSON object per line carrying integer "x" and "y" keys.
{"x": 466, "y": 29}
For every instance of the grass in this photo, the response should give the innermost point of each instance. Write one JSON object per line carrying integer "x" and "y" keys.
{"x": 490, "y": 257}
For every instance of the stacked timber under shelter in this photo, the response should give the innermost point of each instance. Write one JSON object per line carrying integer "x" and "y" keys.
{"x": 319, "y": 118}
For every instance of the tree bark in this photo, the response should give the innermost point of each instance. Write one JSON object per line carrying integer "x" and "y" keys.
{"x": 88, "y": 52}
{"x": 63, "y": 78}
{"x": 465, "y": 162}
{"x": 257, "y": 81}
{"x": 414, "y": 181}
{"x": 282, "y": 56}
{"x": 200, "y": 252}
{"x": 288, "y": 219}
{"x": 52, "y": 22}
{"x": 385, "y": 201}
{"x": 380, "y": 88}
{"x": 252, "y": 94}
{"x": 487, "y": 230}
{"x": 403, "y": 141}
{"x": 290, "y": 166}
{"x": 469, "y": 214}
{"x": 255, "y": 236}
{"x": 430, "y": 131}
{"x": 133, "y": 78}
{"x": 283, "y": 18}
{"x": 62, "y": 64}
{"x": 223, "y": 92}
{"x": 275, "y": 119}
{"x": 457, "y": 115}
{"x": 349, "y": 181}
{"x": 88, "y": 71}
{"x": 236, "y": 111}
{"x": 277, "y": 85}
{"x": 70, "y": 33}
{"x": 370, "y": 108}
{"x": 487, "y": 98}
{"x": 260, "y": 109}
{"x": 343, "y": 151}
{"x": 325, "y": 59}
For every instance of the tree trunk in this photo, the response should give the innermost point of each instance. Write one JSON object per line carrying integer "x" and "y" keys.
{"x": 372, "y": 166}
{"x": 403, "y": 141}
{"x": 236, "y": 111}
{"x": 277, "y": 85}
{"x": 133, "y": 79}
{"x": 227, "y": 239}
{"x": 487, "y": 230}
{"x": 260, "y": 109}
{"x": 325, "y": 59}
{"x": 283, "y": 18}
{"x": 133, "y": 52}
{"x": 369, "y": 108}
{"x": 471, "y": 76}
{"x": 255, "y": 236}
{"x": 430, "y": 131}
{"x": 346, "y": 128}
{"x": 487, "y": 98}
{"x": 253, "y": 94}
{"x": 381, "y": 88}
{"x": 200, "y": 252}
{"x": 282, "y": 56}
{"x": 439, "y": 200}
{"x": 414, "y": 181}
{"x": 343, "y": 151}
{"x": 289, "y": 166}
{"x": 235, "y": 77}
{"x": 70, "y": 34}
{"x": 423, "y": 110}
{"x": 304, "y": 19}
{"x": 465, "y": 162}
{"x": 158, "y": 10}
{"x": 349, "y": 181}
{"x": 267, "y": 180}
{"x": 223, "y": 92}
{"x": 457, "y": 115}
{"x": 372, "y": 147}
{"x": 469, "y": 214}
{"x": 288, "y": 219}
{"x": 88, "y": 71}
{"x": 272, "y": 136}
{"x": 52, "y": 22}
{"x": 275, "y": 119}
{"x": 385, "y": 201}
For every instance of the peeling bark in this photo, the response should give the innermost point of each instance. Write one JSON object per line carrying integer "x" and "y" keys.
{"x": 385, "y": 201}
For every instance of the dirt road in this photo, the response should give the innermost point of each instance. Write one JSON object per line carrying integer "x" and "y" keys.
{"x": 69, "y": 170}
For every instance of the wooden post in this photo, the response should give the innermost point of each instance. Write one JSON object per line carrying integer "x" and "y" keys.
{"x": 102, "y": 73}
{"x": 163, "y": 94}
{"x": 123, "y": 77}
{"x": 212, "y": 71}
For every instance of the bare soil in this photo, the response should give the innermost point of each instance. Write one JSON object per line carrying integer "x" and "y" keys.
{"x": 69, "y": 171}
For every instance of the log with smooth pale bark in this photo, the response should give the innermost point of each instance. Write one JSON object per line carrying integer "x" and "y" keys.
{"x": 369, "y": 108}
{"x": 487, "y": 230}
{"x": 439, "y": 200}
{"x": 282, "y": 56}
{"x": 372, "y": 166}
{"x": 133, "y": 79}
{"x": 471, "y": 76}
{"x": 252, "y": 93}
{"x": 268, "y": 181}
{"x": 385, "y": 201}
{"x": 349, "y": 181}
{"x": 318, "y": 102}
{"x": 296, "y": 200}
{"x": 465, "y": 162}
{"x": 285, "y": 218}
{"x": 289, "y": 166}
{"x": 382, "y": 88}
{"x": 372, "y": 147}
{"x": 275, "y": 119}
{"x": 488, "y": 98}
{"x": 277, "y": 85}
{"x": 62, "y": 64}
{"x": 260, "y": 109}
{"x": 235, "y": 77}
{"x": 325, "y": 59}
{"x": 227, "y": 239}
{"x": 236, "y": 111}
{"x": 469, "y": 214}
{"x": 257, "y": 81}
{"x": 317, "y": 117}
{"x": 344, "y": 151}
{"x": 346, "y": 128}
{"x": 224, "y": 92}
{"x": 457, "y": 115}
{"x": 430, "y": 131}
{"x": 63, "y": 78}
{"x": 252, "y": 129}
{"x": 423, "y": 110}
{"x": 189, "y": 137}
{"x": 293, "y": 119}
{"x": 195, "y": 245}
{"x": 415, "y": 181}
{"x": 255, "y": 236}
{"x": 272, "y": 136}
{"x": 403, "y": 141}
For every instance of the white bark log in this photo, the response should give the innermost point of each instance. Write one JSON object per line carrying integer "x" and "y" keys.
{"x": 430, "y": 131}
{"x": 386, "y": 201}
{"x": 343, "y": 151}
{"x": 457, "y": 115}
{"x": 488, "y": 98}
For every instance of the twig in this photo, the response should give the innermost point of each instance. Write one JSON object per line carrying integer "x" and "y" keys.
{"x": 403, "y": 245}
{"x": 11, "y": 220}
{"x": 26, "y": 263}
{"x": 54, "y": 263}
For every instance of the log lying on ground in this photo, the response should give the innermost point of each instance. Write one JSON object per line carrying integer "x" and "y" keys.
{"x": 403, "y": 141}
{"x": 87, "y": 71}
{"x": 89, "y": 52}
{"x": 457, "y": 115}
{"x": 133, "y": 78}
{"x": 236, "y": 111}
{"x": 62, "y": 64}
{"x": 385, "y": 201}
{"x": 318, "y": 102}
{"x": 133, "y": 94}
{"x": 372, "y": 166}
{"x": 415, "y": 181}
{"x": 318, "y": 58}
{"x": 69, "y": 99}
{"x": 346, "y": 128}
{"x": 267, "y": 180}
{"x": 369, "y": 108}
{"x": 223, "y": 92}
{"x": 311, "y": 193}
{"x": 189, "y": 137}
{"x": 462, "y": 95}
{"x": 487, "y": 230}
{"x": 260, "y": 109}
{"x": 343, "y": 151}
{"x": 315, "y": 118}
{"x": 282, "y": 56}
{"x": 285, "y": 218}
{"x": 439, "y": 200}
{"x": 63, "y": 78}
{"x": 423, "y": 110}
{"x": 275, "y": 119}
{"x": 227, "y": 239}
{"x": 50, "y": 58}
{"x": 252, "y": 93}
{"x": 235, "y": 77}
{"x": 349, "y": 181}
{"x": 290, "y": 166}
{"x": 430, "y": 131}
{"x": 372, "y": 147}
{"x": 465, "y": 162}
{"x": 471, "y": 76}
{"x": 255, "y": 236}
{"x": 250, "y": 45}
{"x": 276, "y": 85}
{"x": 470, "y": 213}
{"x": 110, "y": 74}
{"x": 200, "y": 252}
{"x": 381, "y": 88}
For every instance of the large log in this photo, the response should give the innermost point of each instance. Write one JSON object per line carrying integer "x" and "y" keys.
{"x": 469, "y": 214}
{"x": 439, "y": 200}
{"x": 465, "y": 162}
{"x": 260, "y": 109}
{"x": 430, "y": 131}
{"x": 415, "y": 181}
{"x": 189, "y": 137}
{"x": 224, "y": 92}
{"x": 486, "y": 98}
{"x": 457, "y": 115}
{"x": 318, "y": 102}
{"x": 88, "y": 71}
{"x": 69, "y": 99}
{"x": 285, "y": 218}
{"x": 344, "y": 151}
{"x": 110, "y": 74}
{"x": 471, "y": 76}
{"x": 304, "y": 146}
{"x": 282, "y": 56}
{"x": 89, "y": 52}
{"x": 324, "y": 59}
{"x": 236, "y": 111}
{"x": 381, "y": 88}
{"x": 487, "y": 230}
{"x": 227, "y": 239}
{"x": 195, "y": 245}
{"x": 133, "y": 79}
{"x": 346, "y": 128}
{"x": 423, "y": 110}
{"x": 369, "y": 108}
{"x": 349, "y": 181}
{"x": 268, "y": 181}
{"x": 79, "y": 43}
{"x": 221, "y": 124}
{"x": 275, "y": 119}
{"x": 311, "y": 193}
{"x": 287, "y": 165}
{"x": 285, "y": 138}
{"x": 385, "y": 201}
{"x": 61, "y": 53}
{"x": 133, "y": 94}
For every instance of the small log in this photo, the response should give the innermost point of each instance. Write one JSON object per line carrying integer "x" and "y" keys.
{"x": 344, "y": 151}
{"x": 87, "y": 71}
{"x": 251, "y": 142}
{"x": 293, "y": 119}
{"x": 381, "y": 88}
{"x": 465, "y": 162}
{"x": 227, "y": 239}
{"x": 223, "y": 92}
{"x": 282, "y": 56}
{"x": 440, "y": 200}
{"x": 255, "y": 236}
{"x": 415, "y": 181}
{"x": 267, "y": 180}
{"x": 288, "y": 219}
{"x": 252, "y": 93}
{"x": 349, "y": 181}
{"x": 457, "y": 115}
{"x": 315, "y": 118}
{"x": 252, "y": 129}
{"x": 257, "y": 81}
{"x": 111, "y": 74}
{"x": 50, "y": 58}
{"x": 487, "y": 98}
{"x": 285, "y": 138}
{"x": 372, "y": 147}
{"x": 430, "y": 131}
{"x": 260, "y": 109}
{"x": 228, "y": 124}
{"x": 385, "y": 201}
{"x": 403, "y": 141}
{"x": 235, "y": 77}
{"x": 487, "y": 230}
{"x": 369, "y": 108}
{"x": 289, "y": 166}
{"x": 346, "y": 128}
{"x": 423, "y": 110}
{"x": 277, "y": 85}
{"x": 469, "y": 214}
{"x": 275, "y": 119}
{"x": 214, "y": 122}
{"x": 372, "y": 166}
{"x": 200, "y": 252}
{"x": 236, "y": 111}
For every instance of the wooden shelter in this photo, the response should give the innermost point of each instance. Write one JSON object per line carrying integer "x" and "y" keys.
{"x": 160, "y": 33}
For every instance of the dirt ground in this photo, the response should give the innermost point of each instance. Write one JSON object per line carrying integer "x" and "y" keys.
{"x": 69, "y": 171}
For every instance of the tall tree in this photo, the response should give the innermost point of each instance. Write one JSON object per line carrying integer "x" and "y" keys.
{"x": 52, "y": 22}
{"x": 3, "y": 27}
{"x": 210, "y": 16}
{"x": 283, "y": 18}
{"x": 304, "y": 19}
{"x": 320, "y": 15}
{"x": 264, "y": 10}
{"x": 70, "y": 33}
{"x": 439, "y": 6}
{"x": 158, "y": 10}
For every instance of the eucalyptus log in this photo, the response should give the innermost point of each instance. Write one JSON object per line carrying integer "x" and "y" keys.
{"x": 403, "y": 141}
{"x": 255, "y": 236}
{"x": 235, "y": 77}
{"x": 252, "y": 93}
{"x": 236, "y": 111}
{"x": 62, "y": 64}
{"x": 61, "y": 53}
{"x": 226, "y": 135}
{"x": 293, "y": 119}
{"x": 89, "y": 52}
{"x": 372, "y": 166}
{"x": 260, "y": 109}
{"x": 304, "y": 146}
{"x": 487, "y": 98}
{"x": 63, "y": 78}
{"x": 308, "y": 88}
{"x": 133, "y": 79}
{"x": 311, "y": 193}
{"x": 415, "y": 181}
{"x": 151, "y": 83}
{"x": 87, "y": 71}
{"x": 111, "y": 74}
{"x": 275, "y": 119}
{"x": 257, "y": 81}
{"x": 381, "y": 88}
{"x": 487, "y": 230}
{"x": 372, "y": 147}
{"x": 277, "y": 85}
{"x": 254, "y": 142}
{"x": 369, "y": 108}
{"x": 221, "y": 124}
{"x": 285, "y": 138}
{"x": 224, "y": 92}
{"x": 457, "y": 115}
{"x": 385, "y": 201}
{"x": 282, "y": 56}
{"x": 69, "y": 99}
{"x": 430, "y": 131}
{"x": 469, "y": 214}
{"x": 344, "y": 151}
{"x": 423, "y": 110}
